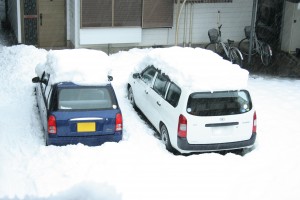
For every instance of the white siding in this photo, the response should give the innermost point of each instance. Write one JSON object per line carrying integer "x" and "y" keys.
{"x": 115, "y": 35}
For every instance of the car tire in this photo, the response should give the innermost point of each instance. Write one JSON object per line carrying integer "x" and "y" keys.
{"x": 46, "y": 142}
{"x": 131, "y": 97}
{"x": 164, "y": 134}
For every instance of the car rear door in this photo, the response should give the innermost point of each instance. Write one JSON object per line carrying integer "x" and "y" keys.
{"x": 157, "y": 101}
{"x": 85, "y": 111}
{"x": 219, "y": 117}
{"x": 86, "y": 123}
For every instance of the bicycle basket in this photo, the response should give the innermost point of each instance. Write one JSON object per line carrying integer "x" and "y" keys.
{"x": 247, "y": 31}
{"x": 213, "y": 35}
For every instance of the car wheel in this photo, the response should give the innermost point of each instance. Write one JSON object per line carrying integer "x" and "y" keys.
{"x": 46, "y": 141}
{"x": 165, "y": 138}
{"x": 131, "y": 97}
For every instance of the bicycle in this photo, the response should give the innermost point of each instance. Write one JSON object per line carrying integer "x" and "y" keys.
{"x": 232, "y": 53}
{"x": 260, "y": 47}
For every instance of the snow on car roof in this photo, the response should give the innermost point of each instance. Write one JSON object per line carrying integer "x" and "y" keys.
{"x": 80, "y": 66}
{"x": 197, "y": 68}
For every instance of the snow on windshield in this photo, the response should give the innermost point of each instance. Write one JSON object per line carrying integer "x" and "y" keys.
{"x": 80, "y": 66}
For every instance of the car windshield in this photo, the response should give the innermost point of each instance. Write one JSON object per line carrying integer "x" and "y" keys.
{"x": 219, "y": 103}
{"x": 84, "y": 98}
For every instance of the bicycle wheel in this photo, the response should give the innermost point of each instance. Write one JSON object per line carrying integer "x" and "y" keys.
{"x": 235, "y": 56}
{"x": 244, "y": 45}
{"x": 265, "y": 53}
{"x": 212, "y": 47}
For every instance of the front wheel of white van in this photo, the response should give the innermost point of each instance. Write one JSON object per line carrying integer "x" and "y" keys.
{"x": 165, "y": 137}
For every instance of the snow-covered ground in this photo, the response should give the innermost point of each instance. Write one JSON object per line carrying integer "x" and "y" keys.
{"x": 139, "y": 167}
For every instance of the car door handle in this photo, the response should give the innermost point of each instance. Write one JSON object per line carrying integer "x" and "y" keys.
{"x": 158, "y": 103}
{"x": 146, "y": 91}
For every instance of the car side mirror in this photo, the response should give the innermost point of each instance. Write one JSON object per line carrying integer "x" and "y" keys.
{"x": 36, "y": 79}
{"x": 110, "y": 78}
{"x": 136, "y": 75}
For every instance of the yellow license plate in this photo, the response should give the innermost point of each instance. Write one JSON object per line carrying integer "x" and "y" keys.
{"x": 86, "y": 127}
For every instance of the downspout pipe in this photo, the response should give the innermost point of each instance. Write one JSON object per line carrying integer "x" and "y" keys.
{"x": 254, "y": 12}
{"x": 6, "y": 10}
{"x": 177, "y": 22}
{"x": 185, "y": 27}
{"x": 191, "y": 25}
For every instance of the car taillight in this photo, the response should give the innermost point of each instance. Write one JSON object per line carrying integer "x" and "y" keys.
{"x": 182, "y": 126}
{"x": 254, "y": 123}
{"x": 118, "y": 122}
{"x": 51, "y": 125}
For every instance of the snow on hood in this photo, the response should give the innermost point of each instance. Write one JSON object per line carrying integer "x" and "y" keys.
{"x": 197, "y": 68}
{"x": 80, "y": 66}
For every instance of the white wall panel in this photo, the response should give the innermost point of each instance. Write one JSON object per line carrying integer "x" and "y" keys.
{"x": 114, "y": 35}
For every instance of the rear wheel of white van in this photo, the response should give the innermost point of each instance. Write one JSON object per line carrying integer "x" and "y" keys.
{"x": 131, "y": 97}
{"x": 165, "y": 138}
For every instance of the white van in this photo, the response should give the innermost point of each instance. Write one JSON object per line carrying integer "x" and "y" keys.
{"x": 189, "y": 117}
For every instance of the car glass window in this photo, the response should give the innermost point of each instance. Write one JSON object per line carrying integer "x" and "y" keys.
{"x": 219, "y": 103}
{"x": 84, "y": 98}
{"x": 160, "y": 84}
{"x": 148, "y": 75}
{"x": 173, "y": 94}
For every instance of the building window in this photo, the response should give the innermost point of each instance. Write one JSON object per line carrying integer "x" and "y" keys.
{"x": 158, "y": 13}
{"x": 111, "y": 13}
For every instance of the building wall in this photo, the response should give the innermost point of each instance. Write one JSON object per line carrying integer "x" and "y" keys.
{"x": 195, "y": 20}
{"x": 233, "y": 16}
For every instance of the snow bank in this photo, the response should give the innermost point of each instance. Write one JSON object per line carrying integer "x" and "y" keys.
{"x": 84, "y": 190}
{"x": 139, "y": 167}
{"x": 198, "y": 68}
{"x": 80, "y": 66}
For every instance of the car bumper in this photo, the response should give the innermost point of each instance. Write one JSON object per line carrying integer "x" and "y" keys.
{"x": 89, "y": 140}
{"x": 183, "y": 144}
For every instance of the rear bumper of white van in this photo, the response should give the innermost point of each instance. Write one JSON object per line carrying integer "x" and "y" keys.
{"x": 183, "y": 144}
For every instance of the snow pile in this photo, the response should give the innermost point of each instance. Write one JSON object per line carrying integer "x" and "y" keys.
{"x": 80, "y": 66}
{"x": 85, "y": 190}
{"x": 139, "y": 167}
{"x": 198, "y": 68}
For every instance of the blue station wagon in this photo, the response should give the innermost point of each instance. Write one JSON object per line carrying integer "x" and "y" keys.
{"x": 72, "y": 113}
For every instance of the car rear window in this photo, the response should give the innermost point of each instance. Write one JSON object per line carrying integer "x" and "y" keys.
{"x": 219, "y": 103}
{"x": 84, "y": 98}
